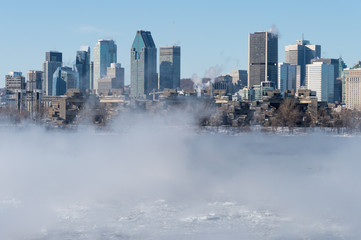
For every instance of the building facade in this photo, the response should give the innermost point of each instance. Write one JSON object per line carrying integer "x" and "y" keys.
{"x": 288, "y": 77}
{"x": 320, "y": 78}
{"x": 170, "y": 67}
{"x": 262, "y": 58}
{"x": 338, "y": 65}
{"x": 53, "y": 60}
{"x": 239, "y": 78}
{"x": 113, "y": 80}
{"x": 352, "y": 83}
{"x": 35, "y": 80}
{"x": 301, "y": 54}
{"x": 14, "y": 81}
{"x": 105, "y": 53}
{"x": 64, "y": 78}
{"x": 82, "y": 66}
{"x": 143, "y": 62}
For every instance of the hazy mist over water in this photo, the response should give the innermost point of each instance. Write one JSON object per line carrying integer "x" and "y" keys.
{"x": 148, "y": 179}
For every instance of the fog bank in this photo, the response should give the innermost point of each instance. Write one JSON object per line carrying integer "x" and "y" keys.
{"x": 155, "y": 181}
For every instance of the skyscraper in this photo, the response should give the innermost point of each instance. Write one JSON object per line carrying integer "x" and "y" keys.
{"x": 35, "y": 80}
{"x": 337, "y": 83}
{"x": 320, "y": 78}
{"x": 143, "y": 61}
{"x": 288, "y": 77}
{"x": 262, "y": 58}
{"x": 301, "y": 54}
{"x": 82, "y": 66}
{"x": 64, "y": 78}
{"x": 169, "y": 71}
{"x": 53, "y": 60}
{"x": 105, "y": 53}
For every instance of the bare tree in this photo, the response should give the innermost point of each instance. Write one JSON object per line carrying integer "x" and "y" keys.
{"x": 288, "y": 114}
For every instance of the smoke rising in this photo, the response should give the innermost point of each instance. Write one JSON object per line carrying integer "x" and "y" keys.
{"x": 151, "y": 180}
{"x": 274, "y": 30}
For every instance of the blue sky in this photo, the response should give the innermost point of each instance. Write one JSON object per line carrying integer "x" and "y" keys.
{"x": 210, "y": 33}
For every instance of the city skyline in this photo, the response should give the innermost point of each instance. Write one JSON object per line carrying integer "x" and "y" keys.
{"x": 228, "y": 37}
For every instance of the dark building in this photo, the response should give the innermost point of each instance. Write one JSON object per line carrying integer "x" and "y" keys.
{"x": 169, "y": 73}
{"x": 301, "y": 54}
{"x": 53, "y": 60}
{"x": 225, "y": 83}
{"x": 143, "y": 62}
{"x": 82, "y": 66}
{"x": 262, "y": 58}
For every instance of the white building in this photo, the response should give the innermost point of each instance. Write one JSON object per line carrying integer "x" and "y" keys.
{"x": 289, "y": 77}
{"x": 320, "y": 78}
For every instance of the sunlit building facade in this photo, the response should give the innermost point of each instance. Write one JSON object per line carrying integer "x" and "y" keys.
{"x": 143, "y": 63}
{"x": 105, "y": 53}
{"x": 170, "y": 66}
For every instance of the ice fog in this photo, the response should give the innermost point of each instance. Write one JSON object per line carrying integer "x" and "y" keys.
{"x": 148, "y": 179}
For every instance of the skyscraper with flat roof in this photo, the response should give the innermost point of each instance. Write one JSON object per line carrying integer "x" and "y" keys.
{"x": 82, "y": 66}
{"x": 105, "y": 53}
{"x": 35, "y": 79}
{"x": 53, "y": 60}
{"x": 169, "y": 70}
{"x": 143, "y": 62}
{"x": 320, "y": 78}
{"x": 262, "y": 58}
{"x": 301, "y": 54}
{"x": 288, "y": 77}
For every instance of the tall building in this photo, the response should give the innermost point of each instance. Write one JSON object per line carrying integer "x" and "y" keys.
{"x": 239, "y": 78}
{"x": 105, "y": 53}
{"x": 320, "y": 78}
{"x": 35, "y": 80}
{"x": 14, "y": 81}
{"x": 288, "y": 77}
{"x": 82, "y": 66}
{"x": 53, "y": 60}
{"x": 169, "y": 71}
{"x": 301, "y": 54}
{"x": 143, "y": 62}
{"x": 337, "y": 81}
{"x": 64, "y": 78}
{"x": 262, "y": 58}
{"x": 352, "y": 79}
{"x": 113, "y": 80}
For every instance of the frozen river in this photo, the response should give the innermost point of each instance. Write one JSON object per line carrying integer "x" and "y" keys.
{"x": 151, "y": 182}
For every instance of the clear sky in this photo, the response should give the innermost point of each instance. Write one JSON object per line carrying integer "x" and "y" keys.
{"x": 210, "y": 33}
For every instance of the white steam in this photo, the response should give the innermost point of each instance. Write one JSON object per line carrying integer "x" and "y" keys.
{"x": 274, "y": 30}
{"x": 212, "y": 73}
{"x": 151, "y": 180}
